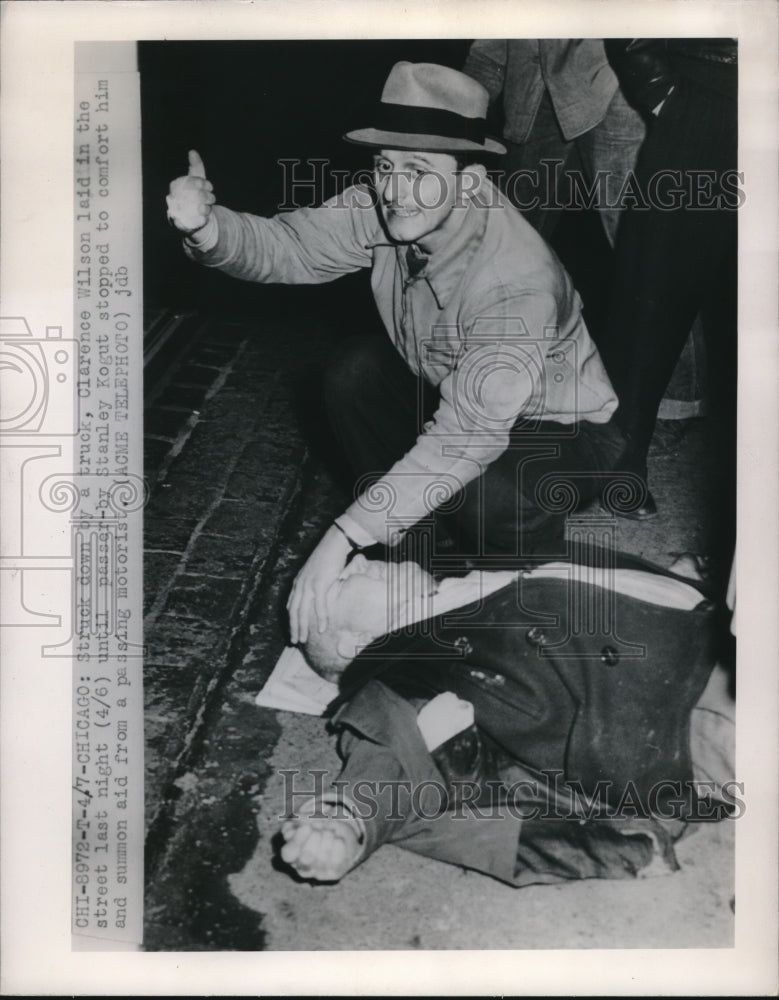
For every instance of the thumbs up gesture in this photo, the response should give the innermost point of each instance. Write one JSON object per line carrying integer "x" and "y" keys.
{"x": 190, "y": 198}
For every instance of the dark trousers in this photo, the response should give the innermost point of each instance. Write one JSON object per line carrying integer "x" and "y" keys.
{"x": 673, "y": 262}
{"x": 610, "y": 147}
{"x": 518, "y": 506}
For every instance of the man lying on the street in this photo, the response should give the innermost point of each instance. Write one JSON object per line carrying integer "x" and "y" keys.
{"x": 488, "y": 391}
{"x": 531, "y": 752}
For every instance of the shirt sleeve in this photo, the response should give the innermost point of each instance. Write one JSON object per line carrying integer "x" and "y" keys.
{"x": 499, "y": 374}
{"x": 307, "y": 246}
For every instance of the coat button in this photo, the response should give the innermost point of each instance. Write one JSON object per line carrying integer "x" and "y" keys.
{"x": 536, "y": 636}
{"x": 461, "y": 642}
{"x": 609, "y": 656}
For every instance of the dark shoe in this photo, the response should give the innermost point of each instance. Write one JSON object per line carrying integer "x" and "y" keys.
{"x": 645, "y": 512}
{"x": 668, "y": 434}
{"x": 627, "y": 495}
{"x": 626, "y": 492}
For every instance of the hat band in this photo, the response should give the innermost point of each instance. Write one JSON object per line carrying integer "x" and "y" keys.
{"x": 430, "y": 121}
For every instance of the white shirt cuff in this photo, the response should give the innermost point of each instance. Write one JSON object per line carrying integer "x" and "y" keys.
{"x": 354, "y": 531}
{"x": 205, "y": 238}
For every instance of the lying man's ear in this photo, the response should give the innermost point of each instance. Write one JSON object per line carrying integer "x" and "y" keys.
{"x": 350, "y": 644}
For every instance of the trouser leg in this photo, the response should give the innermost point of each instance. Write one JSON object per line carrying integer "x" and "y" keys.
{"x": 532, "y": 171}
{"x": 667, "y": 260}
{"x": 519, "y": 505}
{"x": 608, "y": 154}
{"x": 376, "y": 405}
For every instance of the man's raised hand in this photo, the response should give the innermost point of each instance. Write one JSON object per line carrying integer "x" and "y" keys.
{"x": 190, "y": 198}
{"x": 196, "y": 166}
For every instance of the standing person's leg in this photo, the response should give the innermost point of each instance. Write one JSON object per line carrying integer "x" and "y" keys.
{"x": 667, "y": 258}
{"x": 608, "y": 155}
{"x": 531, "y": 171}
{"x": 720, "y": 324}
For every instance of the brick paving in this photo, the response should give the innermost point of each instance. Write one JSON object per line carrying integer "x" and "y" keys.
{"x": 221, "y": 488}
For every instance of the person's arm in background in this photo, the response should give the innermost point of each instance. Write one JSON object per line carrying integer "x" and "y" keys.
{"x": 644, "y": 71}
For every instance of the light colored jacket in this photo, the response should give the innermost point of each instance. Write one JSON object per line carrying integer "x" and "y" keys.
{"x": 575, "y": 72}
{"x": 493, "y": 321}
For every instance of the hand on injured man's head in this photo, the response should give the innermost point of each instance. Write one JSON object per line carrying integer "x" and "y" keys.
{"x": 368, "y": 599}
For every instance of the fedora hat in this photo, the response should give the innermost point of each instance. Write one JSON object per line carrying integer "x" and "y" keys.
{"x": 432, "y": 108}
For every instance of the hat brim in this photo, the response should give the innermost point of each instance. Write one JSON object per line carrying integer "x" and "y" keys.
{"x": 420, "y": 143}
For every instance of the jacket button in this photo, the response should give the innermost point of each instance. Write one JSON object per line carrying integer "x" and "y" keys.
{"x": 536, "y": 636}
{"x": 609, "y": 656}
{"x": 461, "y": 642}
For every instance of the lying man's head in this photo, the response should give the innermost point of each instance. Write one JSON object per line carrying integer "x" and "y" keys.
{"x": 369, "y": 599}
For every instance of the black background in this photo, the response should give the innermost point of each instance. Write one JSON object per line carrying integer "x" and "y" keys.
{"x": 246, "y": 105}
{"x": 243, "y": 106}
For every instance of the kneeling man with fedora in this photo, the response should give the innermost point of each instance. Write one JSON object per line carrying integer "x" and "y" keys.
{"x": 486, "y": 411}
